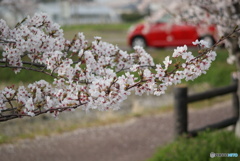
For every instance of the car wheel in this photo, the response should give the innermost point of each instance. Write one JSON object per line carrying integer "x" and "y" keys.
{"x": 208, "y": 39}
{"x": 139, "y": 41}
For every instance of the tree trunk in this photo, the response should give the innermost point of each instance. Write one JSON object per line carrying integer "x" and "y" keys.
{"x": 237, "y": 127}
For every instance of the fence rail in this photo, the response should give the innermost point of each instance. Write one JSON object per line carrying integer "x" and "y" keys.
{"x": 181, "y": 100}
{"x": 213, "y": 93}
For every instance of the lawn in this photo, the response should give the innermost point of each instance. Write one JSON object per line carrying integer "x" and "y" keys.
{"x": 199, "y": 148}
{"x": 112, "y": 33}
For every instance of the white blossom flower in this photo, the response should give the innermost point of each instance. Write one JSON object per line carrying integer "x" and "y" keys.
{"x": 187, "y": 56}
{"x": 167, "y": 62}
{"x": 101, "y": 78}
{"x": 29, "y": 107}
{"x": 179, "y": 51}
{"x": 231, "y": 59}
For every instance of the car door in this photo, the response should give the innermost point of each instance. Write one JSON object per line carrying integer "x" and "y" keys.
{"x": 157, "y": 34}
{"x": 183, "y": 34}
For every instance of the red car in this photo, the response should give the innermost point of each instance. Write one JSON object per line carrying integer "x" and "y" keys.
{"x": 164, "y": 34}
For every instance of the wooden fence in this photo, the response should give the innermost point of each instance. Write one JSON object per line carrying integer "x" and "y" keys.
{"x": 181, "y": 100}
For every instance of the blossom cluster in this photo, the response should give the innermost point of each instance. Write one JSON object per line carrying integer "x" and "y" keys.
{"x": 95, "y": 75}
{"x": 224, "y": 14}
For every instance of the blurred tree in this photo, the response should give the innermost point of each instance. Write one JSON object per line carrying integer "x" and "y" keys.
{"x": 16, "y": 10}
{"x": 225, "y": 14}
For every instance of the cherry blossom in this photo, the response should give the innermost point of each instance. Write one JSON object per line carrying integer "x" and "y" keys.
{"x": 223, "y": 14}
{"x": 96, "y": 75}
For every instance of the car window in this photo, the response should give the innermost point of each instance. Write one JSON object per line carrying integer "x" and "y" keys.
{"x": 165, "y": 18}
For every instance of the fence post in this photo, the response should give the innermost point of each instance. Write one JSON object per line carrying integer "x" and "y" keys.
{"x": 235, "y": 100}
{"x": 180, "y": 110}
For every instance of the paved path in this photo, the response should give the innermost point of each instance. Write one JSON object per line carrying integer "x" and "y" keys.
{"x": 134, "y": 140}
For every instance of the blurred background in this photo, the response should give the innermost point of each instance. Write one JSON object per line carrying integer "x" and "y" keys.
{"x": 113, "y": 21}
{"x": 72, "y": 12}
{"x": 116, "y": 22}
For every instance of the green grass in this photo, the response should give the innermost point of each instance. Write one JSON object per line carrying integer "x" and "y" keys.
{"x": 8, "y": 76}
{"x": 112, "y": 33}
{"x": 98, "y": 27}
{"x": 199, "y": 148}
